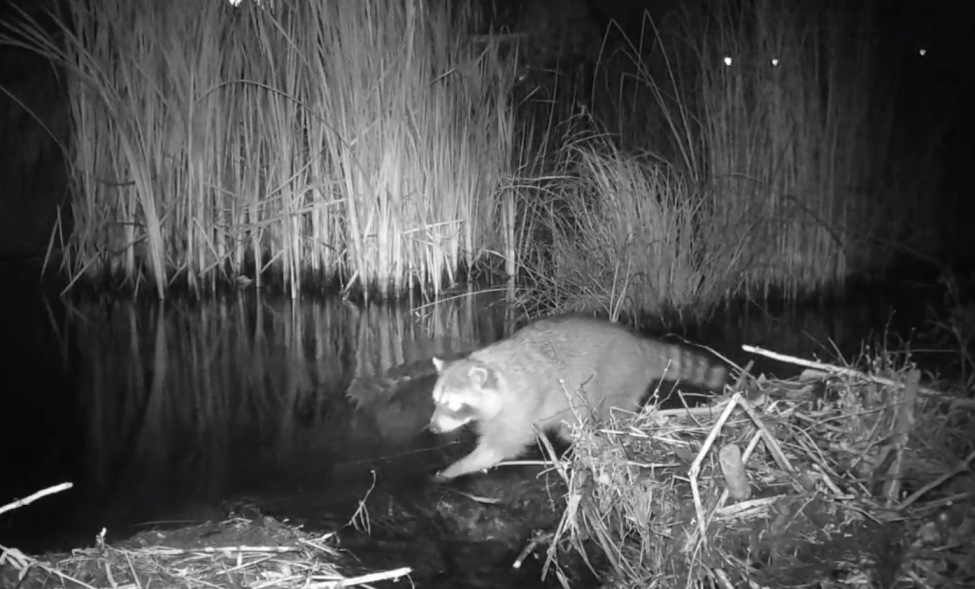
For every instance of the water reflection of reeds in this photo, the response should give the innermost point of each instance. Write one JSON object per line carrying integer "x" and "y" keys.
{"x": 199, "y": 401}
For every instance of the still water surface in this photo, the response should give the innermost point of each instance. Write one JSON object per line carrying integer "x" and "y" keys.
{"x": 168, "y": 412}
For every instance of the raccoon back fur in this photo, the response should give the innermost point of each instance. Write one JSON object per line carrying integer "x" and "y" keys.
{"x": 551, "y": 374}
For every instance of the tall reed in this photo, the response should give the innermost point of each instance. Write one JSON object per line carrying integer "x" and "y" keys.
{"x": 358, "y": 139}
{"x": 624, "y": 239}
{"x": 793, "y": 137}
{"x": 776, "y": 141}
{"x": 770, "y": 141}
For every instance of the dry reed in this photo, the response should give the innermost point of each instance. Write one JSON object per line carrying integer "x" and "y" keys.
{"x": 794, "y": 137}
{"x": 236, "y": 551}
{"x": 625, "y": 237}
{"x": 858, "y": 475}
{"x": 358, "y": 140}
{"x": 375, "y": 143}
{"x": 768, "y": 115}
{"x": 763, "y": 120}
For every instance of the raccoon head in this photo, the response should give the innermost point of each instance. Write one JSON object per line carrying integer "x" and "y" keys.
{"x": 466, "y": 390}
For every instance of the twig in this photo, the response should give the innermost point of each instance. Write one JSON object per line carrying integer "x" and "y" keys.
{"x": 964, "y": 466}
{"x": 696, "y": 465}
{"x": 771, "y": 443}
{"x": 833, "y": 369}
{"x": 477, "y": 498}
{"x": 360, "y": 519}
{"x": 530, "y": 547}
{"x": 573, "y": 501}
{"x": 225, "y": 550}
{"x": 902, "y": 431}
{"x": 135, "y": 576}
{"x": 35, "y": 497}
{"x": 362, "y": 580}
{"x": 744, "y": 374}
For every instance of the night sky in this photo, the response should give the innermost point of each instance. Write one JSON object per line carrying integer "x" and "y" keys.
{"x": 942, "y": 25}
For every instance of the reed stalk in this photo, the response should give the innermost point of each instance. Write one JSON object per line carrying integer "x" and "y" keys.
{"x": 768, "y": 139}
{"x": 372, "y": 142}
{"x": 351, "y": 140}
{"x": 628, "y": 244}
{"x": 769, "y": 115}
{"x": 792, "y": 139}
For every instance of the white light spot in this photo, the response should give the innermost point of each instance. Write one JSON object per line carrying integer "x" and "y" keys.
{"x": 728, "y": 61}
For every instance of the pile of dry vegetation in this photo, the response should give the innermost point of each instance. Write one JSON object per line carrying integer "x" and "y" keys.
{"x": 858, "y": 478}
{"x": 237, "y": 552}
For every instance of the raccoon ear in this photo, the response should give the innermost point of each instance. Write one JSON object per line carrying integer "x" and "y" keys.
{"x": 480, "y": 375}
{"x": 438, "y": 364}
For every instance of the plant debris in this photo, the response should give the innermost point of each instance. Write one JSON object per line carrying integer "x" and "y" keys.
{"x": 853, "y": 478}
{"x": 234, "y": 553}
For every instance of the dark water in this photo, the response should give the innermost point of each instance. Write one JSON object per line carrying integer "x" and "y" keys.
{"x": 177, "y": 412}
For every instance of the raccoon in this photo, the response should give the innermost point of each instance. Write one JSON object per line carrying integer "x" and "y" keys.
{"x": 550, "y": 374}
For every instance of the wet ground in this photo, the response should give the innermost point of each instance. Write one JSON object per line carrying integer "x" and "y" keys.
{"x": 309, "y": 411}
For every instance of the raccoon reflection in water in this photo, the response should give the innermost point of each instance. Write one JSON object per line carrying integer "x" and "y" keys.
{"x": 549, "y": 375}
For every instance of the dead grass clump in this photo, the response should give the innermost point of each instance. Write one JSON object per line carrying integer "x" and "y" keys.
{"x": 625, "y": 234}
{"x": 237, "y": 552}
{"x": 862, "y": 477}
